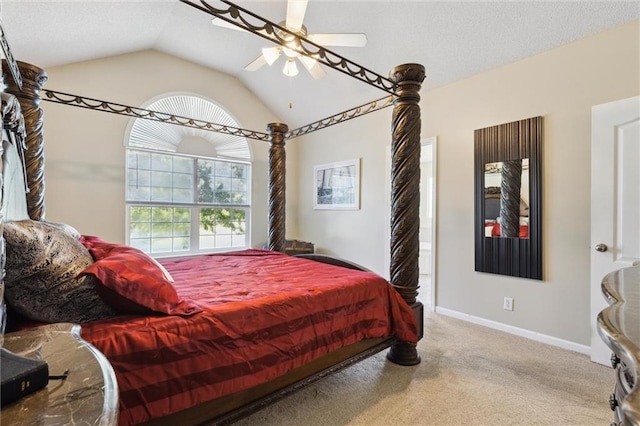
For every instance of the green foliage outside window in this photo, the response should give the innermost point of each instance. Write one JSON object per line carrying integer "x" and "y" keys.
{"x": 210, "y": 217}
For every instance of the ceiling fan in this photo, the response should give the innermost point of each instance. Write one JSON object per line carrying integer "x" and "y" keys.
{"x": 295, "y": 15}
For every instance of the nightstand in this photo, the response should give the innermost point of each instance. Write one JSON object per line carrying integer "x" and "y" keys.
{"x": 89, "y": 394}
{"x": 619, "y": 327}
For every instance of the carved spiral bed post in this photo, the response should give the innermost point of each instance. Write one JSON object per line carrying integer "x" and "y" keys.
{"x": 33, "y": 79}
{"x": 277, "y": 186}
{"x": 13, "y": 131}
{"x": 3, "y": 257}
{"x": 405, "y": 198}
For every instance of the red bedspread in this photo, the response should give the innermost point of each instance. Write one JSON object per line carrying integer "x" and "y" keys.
{"x": 264, "y": 314}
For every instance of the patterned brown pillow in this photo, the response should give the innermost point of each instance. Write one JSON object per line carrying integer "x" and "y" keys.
{"x": 43, "y": 261}
{"x": 64, "y": 227}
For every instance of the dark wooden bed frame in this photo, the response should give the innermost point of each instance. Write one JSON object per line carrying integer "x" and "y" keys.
{"x": 405, "y": 199}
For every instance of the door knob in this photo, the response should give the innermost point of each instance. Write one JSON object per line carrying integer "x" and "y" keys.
{"x": 601, "y": 247}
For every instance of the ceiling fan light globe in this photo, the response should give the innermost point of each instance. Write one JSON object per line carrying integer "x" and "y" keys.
{"x": 290, "y": 69}
{"x": 290, "y": 53}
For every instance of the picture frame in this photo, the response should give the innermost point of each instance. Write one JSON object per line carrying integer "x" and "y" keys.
{"x": 337, "y": 186}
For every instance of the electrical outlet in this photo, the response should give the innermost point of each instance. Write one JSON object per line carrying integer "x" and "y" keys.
{"x": 508, "y": 304}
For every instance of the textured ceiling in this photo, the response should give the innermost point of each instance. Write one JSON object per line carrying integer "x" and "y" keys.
{"x": 452, "y": 39}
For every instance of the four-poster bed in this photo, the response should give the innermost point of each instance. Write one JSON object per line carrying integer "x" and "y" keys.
{"x": 395, "y": 324}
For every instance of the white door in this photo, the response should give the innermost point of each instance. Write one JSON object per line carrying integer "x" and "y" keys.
{"x": 615, "y": 200}
{"x": 426, "y": 260}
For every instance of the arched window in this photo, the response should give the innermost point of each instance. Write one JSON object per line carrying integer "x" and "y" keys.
{"x": 187, "y": 190}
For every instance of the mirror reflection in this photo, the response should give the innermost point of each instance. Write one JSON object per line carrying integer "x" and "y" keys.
{"x": 506, "y": 199}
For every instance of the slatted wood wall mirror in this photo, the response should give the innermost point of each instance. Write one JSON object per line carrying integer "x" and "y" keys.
{"x": 508, "y": 199}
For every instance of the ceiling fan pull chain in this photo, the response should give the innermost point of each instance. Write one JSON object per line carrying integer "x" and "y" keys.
{"x": 290, "y": 93}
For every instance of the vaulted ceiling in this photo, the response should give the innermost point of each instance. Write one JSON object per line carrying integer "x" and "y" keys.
{"x": 452, "y": 39}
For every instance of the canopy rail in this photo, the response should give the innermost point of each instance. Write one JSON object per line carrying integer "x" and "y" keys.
{"x": 341, "y": 117}
{"x": 10, "y": 60}
{"x": 130, "y": 111}
{"x": 266, "y": 29}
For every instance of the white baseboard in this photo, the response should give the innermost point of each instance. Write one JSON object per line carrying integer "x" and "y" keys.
{"x": 554, "y": 341}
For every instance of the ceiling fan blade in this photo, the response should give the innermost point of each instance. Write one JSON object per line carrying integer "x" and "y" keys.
{"x": 313, "y": 67}
{"x": 270, "y": 54}
{"x": 345, "y": 40}
{"x": 295, "y": 14}
{"x": 224, "y": 24}
{"x": 256, "y": 64}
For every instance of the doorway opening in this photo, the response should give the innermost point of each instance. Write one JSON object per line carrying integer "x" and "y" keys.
{"x": 427, "y": 255}
{"x": 426, "y": 259}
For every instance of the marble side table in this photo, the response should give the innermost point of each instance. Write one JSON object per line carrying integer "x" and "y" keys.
{"x": 89, "y": 394}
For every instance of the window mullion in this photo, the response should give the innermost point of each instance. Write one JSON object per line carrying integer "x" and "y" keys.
{"x": 195, "y": 228}
{"x": 195, "y": 210}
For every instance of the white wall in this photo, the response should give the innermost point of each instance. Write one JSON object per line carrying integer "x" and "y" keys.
{"x": 356, "y": 235}
{"x": 85, "y": 155}
{"x": 562, "y": 85}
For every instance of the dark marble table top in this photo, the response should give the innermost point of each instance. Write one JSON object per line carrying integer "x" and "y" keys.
{"x": 88, "y": 396}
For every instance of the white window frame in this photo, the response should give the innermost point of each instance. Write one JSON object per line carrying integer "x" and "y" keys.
{"x": 195, "y": 206}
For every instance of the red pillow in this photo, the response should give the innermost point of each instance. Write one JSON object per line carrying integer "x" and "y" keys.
{"x": 100, "y": 248}
{"x": 131, "y": 281}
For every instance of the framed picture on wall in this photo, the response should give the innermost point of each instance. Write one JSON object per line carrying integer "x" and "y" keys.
{"x": 337, "y": 186}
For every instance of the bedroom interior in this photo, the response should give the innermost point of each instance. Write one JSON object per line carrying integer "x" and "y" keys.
{"x": 559, "y": 85}
{"x": 226, "y": 343}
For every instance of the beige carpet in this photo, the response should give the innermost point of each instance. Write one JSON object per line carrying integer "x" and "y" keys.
{"x": 469, "y": 375}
